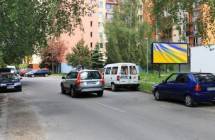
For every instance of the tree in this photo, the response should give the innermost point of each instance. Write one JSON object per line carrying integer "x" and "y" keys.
{"x": 126, "y": 35}
{"x": 80, "y": 55}
{"x": 27, "y": 25}
{"x": 97, "y": 58}
{"x": 53, "y": 54}
{"x": 166, "y": 14}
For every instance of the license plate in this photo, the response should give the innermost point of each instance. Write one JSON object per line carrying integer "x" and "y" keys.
{"x": 10, "y": 87}
{"x": 211, "y": 89}
{"x": 91, "y": 83}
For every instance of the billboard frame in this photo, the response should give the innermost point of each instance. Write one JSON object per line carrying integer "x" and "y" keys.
{"x": 188, "y": 53}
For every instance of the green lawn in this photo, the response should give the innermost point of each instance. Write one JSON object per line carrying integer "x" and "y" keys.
{"x": 148, "y": 80}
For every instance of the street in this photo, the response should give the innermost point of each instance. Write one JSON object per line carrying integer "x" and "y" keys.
{"x": 41, "y": 112}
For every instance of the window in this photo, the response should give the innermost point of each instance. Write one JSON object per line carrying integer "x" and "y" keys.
{"x": 108, "y": 6}
{"x": 133, "y": 70}
{"x": 101, "y": 35}
{"x": 100, "y": 14}
{"x": 172, "y": 78}
{"x": 87, "y": 75}
{"x": 100, "y": 45}
{"x": 204, "y": 77}
{"x": 100, "y": 4}
{"x": 114, "y": 70}
{"x": 91, "y": 44}
{"x": 72, "y": 75}
{"x": 181, "y": 78}
{"x": 124, "y": 70}
{"x": 91, "y": 23}
{"x": 107, "y": 71}
{"x": 91, "y": 34}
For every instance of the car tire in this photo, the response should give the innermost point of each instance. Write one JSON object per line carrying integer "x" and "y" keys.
{"x": 72, "y": 93}
{"x": 188, "y": 100}
{"x": 100, "y": 94}
{"x": 113, "y": 87}
{"x": 62, "y": 89}
{"x": 157, "y": 96}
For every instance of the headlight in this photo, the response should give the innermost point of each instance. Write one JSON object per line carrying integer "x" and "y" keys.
{"x": 3, "y": 85}
{"x": 17, "y": 83}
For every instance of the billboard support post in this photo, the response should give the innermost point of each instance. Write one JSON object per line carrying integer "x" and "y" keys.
{"x": 179, "y": 67}
{"x": 159, "y": 70}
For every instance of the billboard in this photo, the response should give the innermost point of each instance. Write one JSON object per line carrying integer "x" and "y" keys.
{"x": 169, "y": 53}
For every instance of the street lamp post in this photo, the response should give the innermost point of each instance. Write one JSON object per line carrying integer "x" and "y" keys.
{"x": 147, "y": 54}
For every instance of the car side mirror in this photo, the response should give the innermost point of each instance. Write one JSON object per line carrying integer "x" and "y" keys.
{"x": 63, "y": 77}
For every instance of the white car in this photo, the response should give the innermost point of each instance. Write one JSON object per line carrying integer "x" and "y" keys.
{"x": 121, "y": 75}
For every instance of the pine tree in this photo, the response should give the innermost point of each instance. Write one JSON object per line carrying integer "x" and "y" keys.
{"x": 97, "y": 58}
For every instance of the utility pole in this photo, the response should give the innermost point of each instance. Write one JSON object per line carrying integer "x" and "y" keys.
{"x": 147, "y": 55}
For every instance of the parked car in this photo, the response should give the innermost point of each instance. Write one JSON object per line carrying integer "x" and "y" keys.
{"x": 9, "y": 81}
{"x": 30, "y": 73}
{"x": 13, "y": 69}
{"x": 192, "y": 88}
{"x": 83, "y": 81}
{"x": 41, "y": 72}
{"x": 121, "y": 75}
{"x": 22, "y": 72}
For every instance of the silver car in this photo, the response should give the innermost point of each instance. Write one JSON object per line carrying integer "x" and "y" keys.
{"x": 83, "y": 81}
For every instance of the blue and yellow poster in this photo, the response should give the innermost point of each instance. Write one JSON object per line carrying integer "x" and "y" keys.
{"x": 169, "y": 53}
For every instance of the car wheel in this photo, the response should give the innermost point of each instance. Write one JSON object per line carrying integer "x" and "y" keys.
{"x": 62, "y": 89}
{"x": 189, "y": 101}
{"x": 72, "y": 93}
{"x": 100, "y": 94}
{"x": 113, "y": 87}
{"x": 157, "y": 96}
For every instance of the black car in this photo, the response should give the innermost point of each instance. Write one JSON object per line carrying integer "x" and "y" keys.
{"x": 9, "y": 81}
{"x": 41, "y": 72}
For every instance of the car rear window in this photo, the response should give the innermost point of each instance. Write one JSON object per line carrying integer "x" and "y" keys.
{"x": 205, "y": 78}
{"x": 87, "y": 75}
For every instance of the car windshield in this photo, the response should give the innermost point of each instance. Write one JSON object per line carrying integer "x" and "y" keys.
{"x": 87, "y": 75}
{"x": 7, "y": 76}
{"x": 205, "y": 78}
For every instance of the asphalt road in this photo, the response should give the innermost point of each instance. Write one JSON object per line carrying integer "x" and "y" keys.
{"x": 41, "y": 112}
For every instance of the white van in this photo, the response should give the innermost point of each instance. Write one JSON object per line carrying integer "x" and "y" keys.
{"x": 121, "y": 75}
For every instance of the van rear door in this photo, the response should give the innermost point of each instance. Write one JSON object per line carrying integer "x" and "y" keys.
{"x": 133, "y": 74}
{"x": 124, "y": 75}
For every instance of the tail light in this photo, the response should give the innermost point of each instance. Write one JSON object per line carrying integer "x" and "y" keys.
{"x": 198, "y": 88}
{"x": 102, "y": 81}
{"x": 78, "y": 81}
{"x": 117, "y": 77}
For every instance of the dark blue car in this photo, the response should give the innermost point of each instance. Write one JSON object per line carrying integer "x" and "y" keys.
{"x": 192, "y": 88}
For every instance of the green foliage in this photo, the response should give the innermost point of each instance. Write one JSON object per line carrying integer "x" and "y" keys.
{"x": 2, "y": 64}
{"x": 166, "y": 13}
{"x": 26, "y": 25}
{"x": 97, "y": 58}
{"x": 80, "y": 55}
{"x": 127, "y": 35}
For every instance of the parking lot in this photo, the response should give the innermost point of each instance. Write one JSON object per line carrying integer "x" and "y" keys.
{"x": 42, "y": 112}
